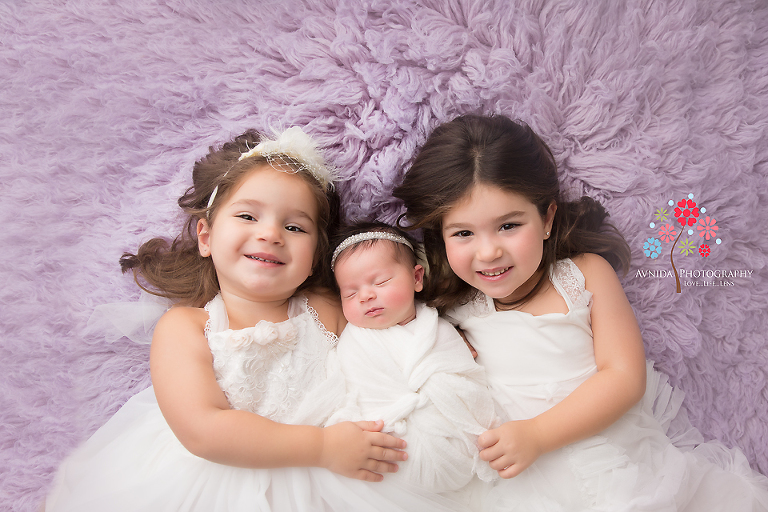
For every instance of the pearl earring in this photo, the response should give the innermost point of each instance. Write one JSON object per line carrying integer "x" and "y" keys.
{"x": 547, "y": 233}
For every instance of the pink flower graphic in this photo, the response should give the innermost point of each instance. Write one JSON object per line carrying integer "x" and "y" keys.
{"x": 707, "y": 228}
{"x": 667, "y": 233}
{"x": 704, "y": 250}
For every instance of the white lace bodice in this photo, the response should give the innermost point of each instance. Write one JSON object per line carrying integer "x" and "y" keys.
{"x": 269, "y": 368}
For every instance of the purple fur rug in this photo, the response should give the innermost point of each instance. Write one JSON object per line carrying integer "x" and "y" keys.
{"x": 105, "y": 105}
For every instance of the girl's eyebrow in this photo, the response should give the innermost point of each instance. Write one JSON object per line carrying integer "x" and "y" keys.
{"x": 500, "y": 218}
{"x": 514, "y": 213}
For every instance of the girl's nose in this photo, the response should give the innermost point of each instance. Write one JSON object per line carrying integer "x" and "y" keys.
{"x": 488, "y": 250}
{"x": 270, "y": 233}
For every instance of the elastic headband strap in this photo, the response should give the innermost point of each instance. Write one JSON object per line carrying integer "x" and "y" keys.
{"x": 362, "y": 237}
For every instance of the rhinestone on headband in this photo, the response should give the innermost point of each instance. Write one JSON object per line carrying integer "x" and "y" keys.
{"x": 292, "y": 151}
{"x": 362, "y": 237}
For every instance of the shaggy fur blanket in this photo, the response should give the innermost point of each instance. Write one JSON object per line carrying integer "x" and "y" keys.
{"x": 104, "y": 106}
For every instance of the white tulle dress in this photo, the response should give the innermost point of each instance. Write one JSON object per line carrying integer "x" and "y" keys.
{"x": 135, "y": 463}
{"x": 651, "y": 459}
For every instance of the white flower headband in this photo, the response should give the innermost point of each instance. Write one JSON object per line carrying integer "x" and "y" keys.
{"x": 362, "y": 237}
{"x": 292, "y": 151}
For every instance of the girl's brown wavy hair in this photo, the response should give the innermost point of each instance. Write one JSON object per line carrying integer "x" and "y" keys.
{"x": 496, "y": 151}
{"x": 176, "y": 270}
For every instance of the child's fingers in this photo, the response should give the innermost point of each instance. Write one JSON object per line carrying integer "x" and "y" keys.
{"x": 386, "y": 441}
{"x": 489, "y": 455}
{"x": 511, "y": 471}
{"x": 488, "y": 439}
{"x": 367, "y": 476}
{"x": 388, "y": 454}
{"x": 374, "y": 471}
{"x": 380, "y": 467}
{"x": 499, "y": 462}
{"x": 494, "y": 456}
{"x": 371, "y": 426}
{"x": 381, "y": 439}
{"x": 504, "y": 465}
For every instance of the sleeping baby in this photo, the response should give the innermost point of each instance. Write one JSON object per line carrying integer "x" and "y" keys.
{"x": 403, "y": 364}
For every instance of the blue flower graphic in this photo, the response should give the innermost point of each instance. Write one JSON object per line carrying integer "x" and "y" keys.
{"x": 652, "y": 248}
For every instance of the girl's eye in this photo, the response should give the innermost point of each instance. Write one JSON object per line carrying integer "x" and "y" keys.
{"x": 295, "y": 229}
{"x": 382, "y": 282}
{"x": 246, "y": 216}
{"x": 348, "y": 295}
{"x": 464, "y": 233}
{"x": 508, "y": 226}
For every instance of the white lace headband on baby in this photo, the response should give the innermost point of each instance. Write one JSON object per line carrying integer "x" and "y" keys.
{"x": 362, "y": 237}
{"x": 292, "y": 151}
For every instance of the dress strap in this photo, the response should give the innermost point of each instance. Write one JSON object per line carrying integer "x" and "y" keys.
{"x": 217, "y": 316}
{"x": 331, "y": 337}
{"x": 569, "y": 282}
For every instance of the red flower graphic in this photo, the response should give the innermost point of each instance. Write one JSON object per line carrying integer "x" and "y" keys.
{"x": 686, "y": 212}
{"x": 707, "y": 228}
{"x": 704, "y": 250}
{"x": 667, "y": 233}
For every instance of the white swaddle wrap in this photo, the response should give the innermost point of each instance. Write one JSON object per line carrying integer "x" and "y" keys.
{"x": 423, "y": 382}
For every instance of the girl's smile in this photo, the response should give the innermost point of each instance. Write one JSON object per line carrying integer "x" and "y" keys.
{"x": 265, "y": 258}
{"x": 494, "y": 241}
{"x": 493, "y": 273}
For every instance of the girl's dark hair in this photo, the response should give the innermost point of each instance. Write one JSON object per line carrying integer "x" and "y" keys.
{"x": 496, "y": 151}
{"x": 406, "y": 254}
{"x": 176, "y": 269}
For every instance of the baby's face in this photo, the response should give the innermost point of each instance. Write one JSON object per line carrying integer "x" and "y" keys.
{"x": 377, "y": 290}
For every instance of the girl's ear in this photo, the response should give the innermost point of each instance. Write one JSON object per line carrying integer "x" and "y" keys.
{"x": 418, "y": 275}
{"x": 203, "y": 238}
{"x": 549, "y": 218}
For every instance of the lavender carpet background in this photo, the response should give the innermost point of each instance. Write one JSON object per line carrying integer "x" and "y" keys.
{"x": 105, "y": 105}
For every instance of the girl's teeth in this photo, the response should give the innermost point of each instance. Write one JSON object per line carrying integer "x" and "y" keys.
{"x": 494, "y": 274}
{"x": 262, "y": 259}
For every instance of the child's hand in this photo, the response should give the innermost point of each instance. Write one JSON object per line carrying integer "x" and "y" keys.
{"x": 510, "y": 448}
{"x": 359, "y": 450}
